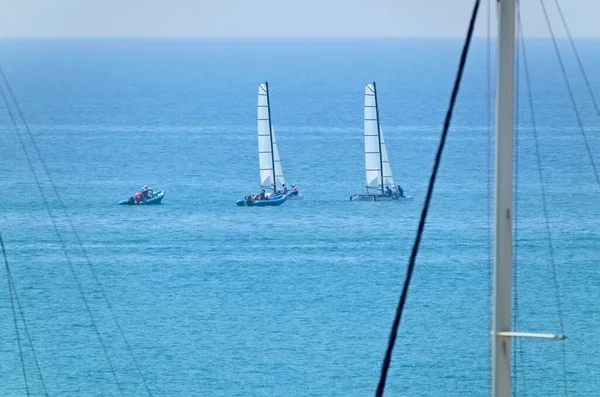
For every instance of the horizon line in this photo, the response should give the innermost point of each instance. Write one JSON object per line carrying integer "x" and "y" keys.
{"x": 276, "y": 37}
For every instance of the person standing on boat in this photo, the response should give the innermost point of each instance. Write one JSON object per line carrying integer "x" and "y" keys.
{"x": 285, "y": 189}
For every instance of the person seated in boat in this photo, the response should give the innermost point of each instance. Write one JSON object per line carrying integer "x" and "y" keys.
{"x": 400, "y": 191}
{"x": 261, "y": 195}
{"x": 138, "y": 197}
{"x": 388, "y": 191}
{"x": 147, "y": 192}
{"x": 295, "y": 191}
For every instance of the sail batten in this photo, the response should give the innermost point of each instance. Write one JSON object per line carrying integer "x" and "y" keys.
{"x": 271, "y": 172}
{"x": 378, "y": 171}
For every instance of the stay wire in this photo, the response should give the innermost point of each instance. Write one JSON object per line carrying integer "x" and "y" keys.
{"x": 515, "y": 271}
{"x": 545, "y": 208}
{"x": 415, "y": 249}
{"x": 12, "y": 285}
{"x": 489, "y": 172}
{"x": 579, "y": 63}
{"x": 575, "y": 109}
{"x": 77, "y": 237}
{"x": 55, "y": 226}
{"x": 14, "y": 312}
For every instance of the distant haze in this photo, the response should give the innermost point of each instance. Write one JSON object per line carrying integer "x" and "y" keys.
{"x": 276, "y": 18}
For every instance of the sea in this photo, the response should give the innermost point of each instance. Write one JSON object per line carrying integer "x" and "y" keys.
{"x": 199, "y": 297}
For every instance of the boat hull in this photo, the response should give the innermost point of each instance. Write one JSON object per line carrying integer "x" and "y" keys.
{"x": 156, "y": 199}
{"x": 272, "y": 201}
{"x": 379, "y": 197}
{"x": 289, "y": 195}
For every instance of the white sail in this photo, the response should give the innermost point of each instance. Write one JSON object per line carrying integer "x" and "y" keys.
{"x": 268, "y": 155}
{"x": 377, "y": 164}
{"x": 279, "y": 180}
{"x": 388, "y": 179}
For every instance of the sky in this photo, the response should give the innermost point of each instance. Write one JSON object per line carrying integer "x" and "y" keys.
{"x": 276, "y": 18}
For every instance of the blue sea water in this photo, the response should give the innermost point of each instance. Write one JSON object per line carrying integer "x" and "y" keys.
{"x": 297, "y": 300}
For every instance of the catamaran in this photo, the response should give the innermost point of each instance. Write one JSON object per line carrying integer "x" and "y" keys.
{"x": 271, "y": 173}
{"x": 378, "y": 171}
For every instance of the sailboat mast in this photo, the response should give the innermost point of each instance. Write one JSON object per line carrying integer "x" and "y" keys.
{"x": 378, "y": 136}
{"x": 505, "y": 92}
{"x": 271, "y": 138}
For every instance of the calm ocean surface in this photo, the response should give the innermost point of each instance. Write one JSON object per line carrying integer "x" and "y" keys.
{"x": 297, "y": 300}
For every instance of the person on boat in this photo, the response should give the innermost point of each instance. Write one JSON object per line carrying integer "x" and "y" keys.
{"x": 285, "y": 189}
{"x": 295, "y": 191}
{"x": 400, "y": 191}
{"x": 138, "y": 197}
{"x": 146, "y": 192}
{"x": 261, "y": 195}
{"x": 388, "y": 191}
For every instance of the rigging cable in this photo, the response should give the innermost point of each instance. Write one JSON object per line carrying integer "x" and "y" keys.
{"x": 581, "y": 68}
{"x": 22, "y": 314}
{"x": 564, "y": 73}
{"x": 545, "y": 207}
{"x": 517, "y": 345}
{"x": 62, "y": 243}
{"x": 77, "y": 237}
{"x": 415, "y": 249}
{"x": 14, "y": 312}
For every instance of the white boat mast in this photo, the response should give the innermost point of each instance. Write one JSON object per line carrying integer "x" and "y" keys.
{"x": 505, "y": 105}
{"x": 505, "y": 95}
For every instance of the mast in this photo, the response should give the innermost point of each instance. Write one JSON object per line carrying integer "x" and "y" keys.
{"x": 271, "y": 138}
{"x": 505, "y": 82}
{"x": 378, "y": 136}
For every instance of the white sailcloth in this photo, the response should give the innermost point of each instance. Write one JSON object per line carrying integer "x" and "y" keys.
{"x": 268, "y": 155}
{"x": 377, "y": 164}
{"x": 279, "y": 180}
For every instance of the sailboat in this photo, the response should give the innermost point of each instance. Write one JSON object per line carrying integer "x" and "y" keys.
{"x": 271, "y": 172}
{"x": 378, "y": 171}
{"x": 272, "y": 181}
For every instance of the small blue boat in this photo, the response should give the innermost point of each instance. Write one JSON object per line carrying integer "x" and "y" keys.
{"x": 156, "y": 199}
{"x": 270, "y": 201}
